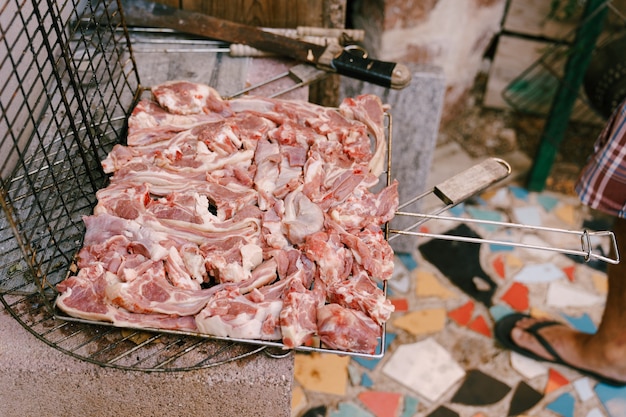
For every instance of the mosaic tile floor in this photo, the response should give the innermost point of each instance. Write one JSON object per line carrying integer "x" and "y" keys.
{"x": 442, "y": 360}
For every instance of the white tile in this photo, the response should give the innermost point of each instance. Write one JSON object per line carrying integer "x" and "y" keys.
{"x": 425, "y": 367}
{"x": 535, "y": 273}
{"x": 562, "y": 294}
{"x": 529, "y": 215}
{"x": 500, "y": 198}
{"x": 401, "y": 278}
{"x": 527, "y": 367}
{"x": 583, "y": 388}
{"x": 537, "y": 255}
{"x": 595, "y": 412}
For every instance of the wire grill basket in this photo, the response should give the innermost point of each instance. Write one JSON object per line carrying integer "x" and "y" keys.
{"x": 68, "y": 83}
{"x": 71, "y": 82}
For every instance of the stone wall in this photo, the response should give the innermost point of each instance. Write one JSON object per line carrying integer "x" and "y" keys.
{"x": 451, "y": 34}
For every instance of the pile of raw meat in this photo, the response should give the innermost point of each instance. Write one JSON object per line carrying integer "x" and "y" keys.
{"x": 250, "y": 218}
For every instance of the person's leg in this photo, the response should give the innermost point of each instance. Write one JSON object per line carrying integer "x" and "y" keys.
{"x": 604, "y": 352}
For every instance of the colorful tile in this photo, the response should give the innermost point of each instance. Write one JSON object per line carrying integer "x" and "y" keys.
{"x": 537, "y": 273}
{"x": 479, "y": 325}
{"x": 567, "y": 213}
{"x": 462, "y": 315}
{"x": 322, "y": 372}
{"x": 366, "y": 380}
{"x": 564, "y": 294}
{"x": 443, "y": 255}
{"x": 381, "y": 403}
{"x": 355, "y": 375}
{"x": 401, "y": 278}
{"x": 533, "y": 254}
{"x": 600, "y": 283}
{"x": 483, "y": 214}
{"x": 524, "y": 398}
{"x": 442, "y": 411}
{"x": 480, "y": 389}
{"x": 319, "y": 411}
{"x": 348, "y": 409}
{"x": 410, "y": 406}
{"x": 563, "y": 405}
{"x": 547, "y": 202}
{"x": 457, "y": 210}
{"x": 427, "y": 285}
{"x": 366, "y": 362}
{"x": 527, "y": 367}
{"x": 498, "y": 311}
{"x": 529, "y": 215}
{"x": 516, "y": 296}
{"x": 499, "y": 265}
{"x": 498, "y": 197}
{"x": 583, "y": 388}
{"x": 540, "y": 314}
{"x": 613, "y": 399}
{"x": 570, "y": 272}
{"x": 425, "y": 367}
{"x": 298, "y": 400}
{"x": 480, "y": 284}
{"x": 501, "y": 247}
{"x": 401, "y": 304}
{"x": 407, "y": 260}
{"x": 420, "y": 322}
{"x": 595, "y": 412}
{"x": 400, "y": 285}
{"x": 519, "y": 193}
{"x": 582, "y": 323}
{"x": 555, "y": 381}
{"x": 369, "y": 363}
{"x": 513, "y": 262}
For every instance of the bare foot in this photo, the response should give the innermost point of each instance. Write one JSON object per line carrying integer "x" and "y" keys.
{"x": 577, "y": 349}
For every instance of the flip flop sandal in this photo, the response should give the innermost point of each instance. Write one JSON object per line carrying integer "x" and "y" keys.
{"x": 502, "y": 332}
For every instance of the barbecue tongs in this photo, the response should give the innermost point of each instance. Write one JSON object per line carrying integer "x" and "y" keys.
{"x": 458, "y": 188}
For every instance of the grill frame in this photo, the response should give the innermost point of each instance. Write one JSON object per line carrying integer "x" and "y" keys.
{"x": 76, "y": 118}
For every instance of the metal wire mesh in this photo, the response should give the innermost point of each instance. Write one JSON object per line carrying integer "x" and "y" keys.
{"x": 64, "y": 100}
{"x": 533, "y": 90}
{"x": 68, "y": 83}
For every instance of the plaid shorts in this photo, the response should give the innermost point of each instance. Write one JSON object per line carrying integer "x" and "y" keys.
{"x": 602, "y": 183}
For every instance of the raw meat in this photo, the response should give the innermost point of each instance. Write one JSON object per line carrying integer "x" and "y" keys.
{"x": 250, "y": 218}
{"x": 346, "y": 329}
{"x": 231, "y": 314}
{"x": 83, "y": 296}
{"x": 298, "y": 317}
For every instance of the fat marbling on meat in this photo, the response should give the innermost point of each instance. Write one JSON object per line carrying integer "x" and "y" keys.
{"x": 247, "y": 218}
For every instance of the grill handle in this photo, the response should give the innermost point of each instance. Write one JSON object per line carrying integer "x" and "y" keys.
{"x": 475, "y": 179}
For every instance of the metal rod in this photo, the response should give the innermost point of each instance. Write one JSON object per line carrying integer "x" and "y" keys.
{"x": 584, "y": 235}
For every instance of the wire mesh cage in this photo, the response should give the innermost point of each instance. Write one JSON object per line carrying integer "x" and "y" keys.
{"x": 58, "y": 121}
{"x": 534, "y": 89}
{"x": 69, "y": 82}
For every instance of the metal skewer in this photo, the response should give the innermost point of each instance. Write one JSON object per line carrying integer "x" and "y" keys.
{"x": 303, "y": 74}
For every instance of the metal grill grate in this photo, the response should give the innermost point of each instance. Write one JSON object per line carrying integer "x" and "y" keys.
{"x": 68, "y": 83}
